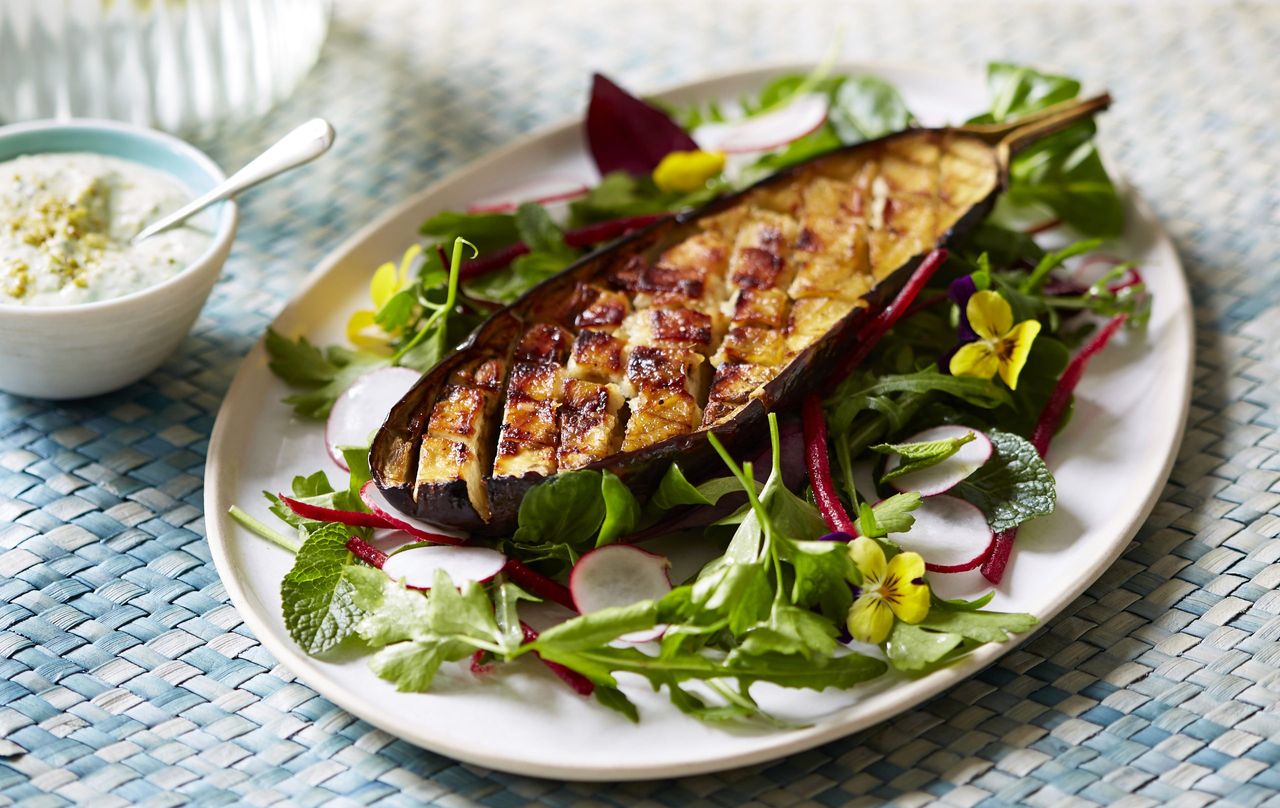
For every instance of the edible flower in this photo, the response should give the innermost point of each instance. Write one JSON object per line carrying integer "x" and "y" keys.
{"x": 895, "y": 588}
{"x": 1001, "y": 347}
{"x": 388, "y": 281}
{"x": 687, "y": 171}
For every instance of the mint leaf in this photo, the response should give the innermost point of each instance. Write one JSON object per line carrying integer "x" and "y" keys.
{"x": 621, "y": 510}
{"x": 1013, "y": 486}
{"x": 317, "y": 601}
{"x": 921, "y": 455}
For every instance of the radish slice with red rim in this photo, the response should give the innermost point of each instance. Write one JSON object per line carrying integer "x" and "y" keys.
{"x": 544, "y": 191}
{"x": 767, "y": 131}
{"x": 391, "y": 540}
{"x": 377, "y": 502}
{"x": 952, "y": 535}
{"x": 1094, "y": 268}
{"x": 361, "y": 408}
{"x": 942, "y": 477}
{"x": 417, "y": 566}
{"x": 620, "y": 575}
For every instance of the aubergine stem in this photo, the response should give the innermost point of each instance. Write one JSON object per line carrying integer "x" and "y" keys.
{"x": 1013, "y": 136}
{"x": 1046, "y": 426}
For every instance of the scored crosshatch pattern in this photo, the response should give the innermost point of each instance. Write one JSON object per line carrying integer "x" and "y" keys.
{"x": 127, "y": 677}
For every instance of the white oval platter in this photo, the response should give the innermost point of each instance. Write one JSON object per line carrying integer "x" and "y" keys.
{"x": 1111, "y": 463}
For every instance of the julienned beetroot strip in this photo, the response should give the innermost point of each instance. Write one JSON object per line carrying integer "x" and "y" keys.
{"x": 1046, "y": 428}
{"x": 815, "y": 423}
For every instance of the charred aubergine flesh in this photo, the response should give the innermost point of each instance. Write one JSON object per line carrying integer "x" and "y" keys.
{"x": 700, "y": 322}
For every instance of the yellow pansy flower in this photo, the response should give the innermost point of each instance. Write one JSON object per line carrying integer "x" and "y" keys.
{"x": 889, "y": 589}
{"x": 687, "y": 171}
{"x": 1001, "y": 347}
{"x": 388, "y": 280}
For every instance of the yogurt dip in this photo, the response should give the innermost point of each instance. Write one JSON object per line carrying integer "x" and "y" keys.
{"x": 66, "y": 220}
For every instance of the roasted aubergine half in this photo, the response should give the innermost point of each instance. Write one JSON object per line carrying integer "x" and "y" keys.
{"x": 701, "y": 322}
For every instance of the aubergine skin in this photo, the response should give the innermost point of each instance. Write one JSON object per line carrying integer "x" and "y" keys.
{"x": 453, "y": 504}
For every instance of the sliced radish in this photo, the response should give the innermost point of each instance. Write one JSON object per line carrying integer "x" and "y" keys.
{"x": 390, "y": 540}
{"x": 543, "y": 190}
{"x": 766, "y": 132}
{"x": 944, "y": 476}
{"x": 362, "y": 407}
{"x": 417, "y": 566}
{"x": 377, "y": 502}
{"x": 952, "y": 535}
{"x": 321, "y": 513}
{"x": 1094, "y": 268}
{"x": 620, "y": 575}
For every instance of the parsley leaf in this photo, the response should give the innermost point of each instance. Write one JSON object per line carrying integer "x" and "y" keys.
{"x": 323, "y": 375}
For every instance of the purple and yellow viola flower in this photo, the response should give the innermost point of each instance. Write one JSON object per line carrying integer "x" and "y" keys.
{"x": 998, "y": 345}
{"x": 892, "y": 589}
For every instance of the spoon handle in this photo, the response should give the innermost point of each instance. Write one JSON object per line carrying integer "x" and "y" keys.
{"x": 307, "y": 142}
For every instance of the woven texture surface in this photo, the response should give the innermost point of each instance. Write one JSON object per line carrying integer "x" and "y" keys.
{"x": 127, "y": 677}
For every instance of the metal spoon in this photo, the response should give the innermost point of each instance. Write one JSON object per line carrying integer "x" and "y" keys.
{"x": 300, "y": 146}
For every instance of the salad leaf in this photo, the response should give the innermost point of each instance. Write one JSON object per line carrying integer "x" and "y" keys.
{"x": 1062, "y": 174}
{"x": 319, "y": 612}
{"x": 1065, "y": 175}
{"x": 675, "y": 489}
{"x": 620, "y": 195}
{"x": 488, "y": 231}
{"x": 865, "y": 108}
{"x": 945, "y": 633}
{"x": 418, "y": 631}
{"x": 1017, "y": 90}
{"x": 548, "y": 254}
{"x": 323, "y": 374}
{"x": 621, "y": 510}
{"x": 892, "y": 515}
{"x": 1013, "y": 486}
{"x": 565, "y": 509}
{"x": 922, "y": 455}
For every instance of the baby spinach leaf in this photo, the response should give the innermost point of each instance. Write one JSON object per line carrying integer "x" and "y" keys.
{"x": 675, "y": 489}
{"x": 488, "y": 231}
{"x": 564, "y": 509}
{"x": 865, "y": 108}
{"x": 621, "y": 511}
{"x": 1013, "y": 486}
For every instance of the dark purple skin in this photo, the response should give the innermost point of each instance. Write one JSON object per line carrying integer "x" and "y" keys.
{"x": 744, "y": 435}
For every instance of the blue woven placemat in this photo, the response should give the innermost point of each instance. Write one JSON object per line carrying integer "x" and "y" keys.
{"x": 126, "y": 676}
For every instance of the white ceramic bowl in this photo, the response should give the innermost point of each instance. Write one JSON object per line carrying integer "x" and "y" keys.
{"x": 80, "y": 350}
